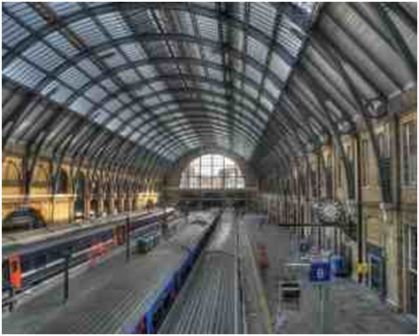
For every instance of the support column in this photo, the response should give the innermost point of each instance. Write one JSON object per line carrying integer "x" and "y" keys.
{"x": 100, "y": 206}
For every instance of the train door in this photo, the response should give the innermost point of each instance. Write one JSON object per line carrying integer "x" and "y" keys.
{"x": 15, "y": 272}
{"x": 119, "y": 235}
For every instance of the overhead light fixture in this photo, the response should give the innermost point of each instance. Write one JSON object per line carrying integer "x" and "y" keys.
{"x": 345, "y": 127}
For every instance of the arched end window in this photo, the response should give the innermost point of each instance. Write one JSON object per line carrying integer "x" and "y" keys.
{"x": 212, "y": 171}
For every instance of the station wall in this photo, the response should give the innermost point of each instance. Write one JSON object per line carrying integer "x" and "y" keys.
{"x": 103, "y": 194}
{"x": 384, "y": 235}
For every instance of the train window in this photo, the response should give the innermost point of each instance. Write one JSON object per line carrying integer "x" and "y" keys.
{"x": 6, "y": 271}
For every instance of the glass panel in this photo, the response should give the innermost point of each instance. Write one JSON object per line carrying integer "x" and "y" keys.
{"x": 88, "y": 31}
{"x": 45, "y": 57}
{"x": 13, "y": 33}
{"x": 23, "y": 73}
{"x": 212, "y": 171}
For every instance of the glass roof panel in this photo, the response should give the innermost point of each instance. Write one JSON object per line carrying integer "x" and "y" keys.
{"x": 25, "y": 13}
{"x": 262, "y": 16}
{"x": 22, "y": 72}
{"x": 59, "y": 42}
{"x": 113, "y": 105}
{"x": 257, "y": 50}
{"x": 64, "y": 8}
{"x": 74, "y": 78}
{"x": 207, "y": 27}
{"x": 115, "y": 25}
{"x": 112, "y": 58}
{"x": 89, "y": 67}
{"x": 135, "y": 58}
{"x": 129, "y": 76}
{"x": 88, "y": 31}
{"x": 61, "y": 94}
{"x": 81, "y": 105}
{"x": 133, "y": 51}
{"x": 96, "y": 93}
{"x": 45, "y": 57}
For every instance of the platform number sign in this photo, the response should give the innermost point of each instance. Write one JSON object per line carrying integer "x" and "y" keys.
{"x": 320, "y": 271}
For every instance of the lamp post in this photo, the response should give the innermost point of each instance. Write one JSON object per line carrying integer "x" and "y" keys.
{"x": 127, "y": 239}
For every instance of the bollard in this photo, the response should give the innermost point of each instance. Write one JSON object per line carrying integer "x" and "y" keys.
{"x": 67, "y": 258}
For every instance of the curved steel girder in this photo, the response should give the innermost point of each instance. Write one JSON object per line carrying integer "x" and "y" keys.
{"x": 139, "y": 150}
{"x": 246, "y": 129}
{"x": 157, "y": 61}
{"x": 295, "y": 114}
{"x": 92, "y": 139}
{"x": 187, "y": 112}
{"x": 283, "y": 125}
{"x": 156, "y": 165}
{"x": 239, "y": 131}
{"x": 121, "y": 150}
{"x": 128, "y": 162}
{"x": 281, "y": 154}
{"x": 134, "y": 86}
{"x": 341, "y": 95}
{"x": 301, "y": 90}
{"x": 135, "y": 116}
{"x": 316, "y": 36}
{"x": 23, "y": 110}
{"x": 359, "y": 98}
{"x": 219, "y": 127}
{"x": 82, "y": 156}
{"x": 303, "y": 71}
{"x": 143, "y": 124}
{"x": 299, "y": 104}
{"x": 322, "y": 94}
{"x": 276, "y": 154}
{"x": 151, "y": 163}
{"x": 306, "y": 103}
{"x": 197, "y": 143}
{"x": 191, "y": 8}
{"x": 124, "y": 124}
{"x": 64, "y": 56}
{"x": 367, "y": 53}
{"x": 37, "y": 141}
{"x": 190, "y": 99}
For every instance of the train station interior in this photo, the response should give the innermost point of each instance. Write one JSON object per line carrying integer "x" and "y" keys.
{"x": 209, "y": 167}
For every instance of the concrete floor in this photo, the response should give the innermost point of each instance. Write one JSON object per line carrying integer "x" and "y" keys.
{"x": 352, "y": 308}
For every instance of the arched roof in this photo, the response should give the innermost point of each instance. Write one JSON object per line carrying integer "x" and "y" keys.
{"x": 116, "y": 82}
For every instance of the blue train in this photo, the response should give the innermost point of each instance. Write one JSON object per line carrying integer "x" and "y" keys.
{"x": 158, "y": 304}
{"x": 26, "y": 266}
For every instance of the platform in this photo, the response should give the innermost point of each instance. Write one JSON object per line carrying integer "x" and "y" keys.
{"x": 105, "y": 296}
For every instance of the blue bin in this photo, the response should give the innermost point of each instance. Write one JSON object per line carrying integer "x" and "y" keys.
{"x": 337, "y": 264}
